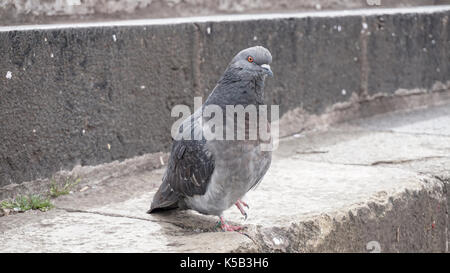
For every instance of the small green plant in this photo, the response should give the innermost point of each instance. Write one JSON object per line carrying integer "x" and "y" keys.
{"x": 23, "y": 203}
{"x": 56, "y": 190}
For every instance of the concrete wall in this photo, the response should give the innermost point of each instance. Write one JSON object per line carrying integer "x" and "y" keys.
{"x": 93, "y": 93}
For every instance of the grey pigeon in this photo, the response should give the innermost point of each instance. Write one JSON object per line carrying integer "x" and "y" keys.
{"x": 209, "y": 176}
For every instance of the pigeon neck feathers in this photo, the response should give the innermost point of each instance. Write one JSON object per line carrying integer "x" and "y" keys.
{"x": 233, "y": 90}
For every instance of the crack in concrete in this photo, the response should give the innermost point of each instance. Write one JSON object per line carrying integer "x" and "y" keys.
{"x": 311, "y": 152}
{"x": 445, "y": 182}
{"x": 407, "y": 133}
{"x": 196, "y": 60}
{"x": 108, "y": 214}
{"x": 388, "y": 162}
{"x": 364, "y": 64}
{"x": 251, "y": 238}
{"x": 401, "y": 161}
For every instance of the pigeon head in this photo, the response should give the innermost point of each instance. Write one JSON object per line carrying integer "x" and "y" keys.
{"x": 250, "y": 63}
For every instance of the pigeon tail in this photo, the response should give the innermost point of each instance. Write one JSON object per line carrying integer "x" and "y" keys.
{"x": 164, "y": 199}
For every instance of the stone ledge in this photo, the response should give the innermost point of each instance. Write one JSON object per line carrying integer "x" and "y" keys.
{"x": 319, "y": 195}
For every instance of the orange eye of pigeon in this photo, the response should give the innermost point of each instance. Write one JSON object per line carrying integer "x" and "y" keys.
{"x": 250, "y": 59}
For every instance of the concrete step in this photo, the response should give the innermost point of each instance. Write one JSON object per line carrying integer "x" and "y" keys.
{"x": 376, "y": 184}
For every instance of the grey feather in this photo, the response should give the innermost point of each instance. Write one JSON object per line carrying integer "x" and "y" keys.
{"x": 211, "y": 175}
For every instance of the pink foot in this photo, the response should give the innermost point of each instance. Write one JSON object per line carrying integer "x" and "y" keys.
{"x": 227, "y": 227}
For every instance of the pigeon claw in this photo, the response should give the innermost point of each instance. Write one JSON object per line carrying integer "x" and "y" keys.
{"x": 226, "y": 227}
{"x": 243, "y": 203}
{"x": 239, "y": 204}
{"x": 244, "y": 214}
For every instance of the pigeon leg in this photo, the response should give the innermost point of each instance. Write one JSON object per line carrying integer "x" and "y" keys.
{"x": 243, "y": 203}
{"x": 239, "y": 206}
{"x": 227, "y": 227}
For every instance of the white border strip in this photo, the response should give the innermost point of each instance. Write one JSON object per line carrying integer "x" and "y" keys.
{"x": 233, "y": 18}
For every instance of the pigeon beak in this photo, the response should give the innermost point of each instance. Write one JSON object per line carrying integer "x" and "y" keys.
{"x": 267, "y": 69}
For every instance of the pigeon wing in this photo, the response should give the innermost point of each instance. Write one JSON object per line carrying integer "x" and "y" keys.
{"x": 188, "y": 173}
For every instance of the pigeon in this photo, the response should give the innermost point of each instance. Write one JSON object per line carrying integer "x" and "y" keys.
{"x": 210, "y": 175}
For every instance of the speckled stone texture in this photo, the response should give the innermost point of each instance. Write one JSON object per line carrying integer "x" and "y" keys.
{"x": 95, "y": 93}
{"x": 377, "y": 184}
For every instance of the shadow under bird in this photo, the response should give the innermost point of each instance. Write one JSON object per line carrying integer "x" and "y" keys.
{"x": 209, "y": 176}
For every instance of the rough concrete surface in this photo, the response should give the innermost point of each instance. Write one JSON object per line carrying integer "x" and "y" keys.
{"x": 88, "y": 94}
{"x": 381, "y": 181}
{"x": 46, "y": 11}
